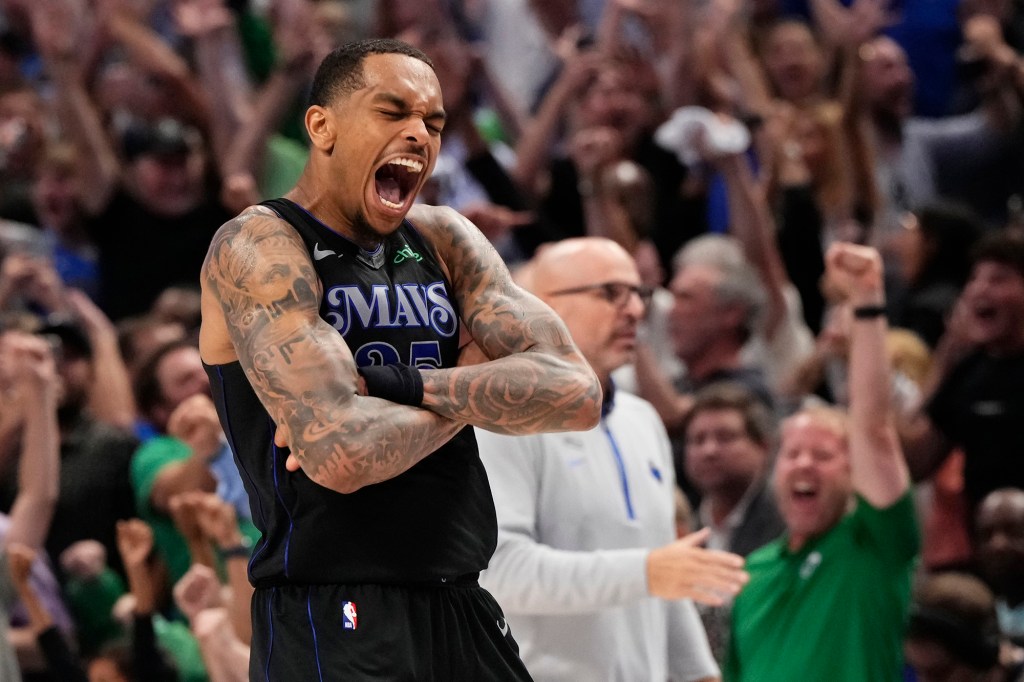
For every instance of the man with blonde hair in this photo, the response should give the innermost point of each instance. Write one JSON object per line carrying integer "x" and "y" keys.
{"x": 829, "y": 598}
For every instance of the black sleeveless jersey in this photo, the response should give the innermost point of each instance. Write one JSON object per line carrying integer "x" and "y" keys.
{"x": 433, "y": 522}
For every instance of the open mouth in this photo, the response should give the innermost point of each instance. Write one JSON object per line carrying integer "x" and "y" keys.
{"x": 804, "y": 492}
{"x": 985, "y": 313}
{"x": 396, "y": 180}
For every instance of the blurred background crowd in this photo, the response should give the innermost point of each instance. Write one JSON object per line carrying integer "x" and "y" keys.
{"x": 130, "y": 130}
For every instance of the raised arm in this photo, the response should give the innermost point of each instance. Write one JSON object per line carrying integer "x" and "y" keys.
{"x": 1000, "y": 83}
{"x": 879, "y": 471}
{"x": 58, "y": 660}
{"x": 729, "y": 32}
{"x": 28, "y": 362}
{"x": 656, "y": 388}
{"x": 297, "y": 56}
{"x": 54, "y": 30}
{"x": 597, "y": 154}
{"x": 751, "y": 223}
{"x": 536, "y": 379}
{"x": 110, "y": 399}
{"x": 533, "y": 150}
{"x": 260, "y": 301}
{"x": 195, "y": 423}
{"x": 145, "y": 49}
{"x": 220, "y": 67}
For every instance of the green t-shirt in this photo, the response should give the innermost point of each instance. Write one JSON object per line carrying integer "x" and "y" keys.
{"x": 147, "y": 462}
{"x": 178, "y": 643}
{"x": 835, "y": 610}
{"x": 92, "y": 603}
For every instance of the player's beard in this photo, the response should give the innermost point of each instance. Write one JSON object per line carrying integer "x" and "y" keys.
{"x": 363, "y": 233}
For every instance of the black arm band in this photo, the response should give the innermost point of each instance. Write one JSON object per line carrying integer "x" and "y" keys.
{"x": 398, "y": 383}
{"x": 867, "y": 312}
{"x": 234, "y": 552}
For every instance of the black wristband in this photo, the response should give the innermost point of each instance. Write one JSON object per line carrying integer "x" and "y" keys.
{"x": 237, "y": 551}
{"x": 868, "y": 312}
{"x": 398, "y": 383}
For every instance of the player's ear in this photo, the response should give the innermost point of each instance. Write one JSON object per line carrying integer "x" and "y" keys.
{"x": 320, "y": 125}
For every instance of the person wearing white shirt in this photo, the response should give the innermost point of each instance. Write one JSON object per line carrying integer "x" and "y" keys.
{"x": 593, "y": 582}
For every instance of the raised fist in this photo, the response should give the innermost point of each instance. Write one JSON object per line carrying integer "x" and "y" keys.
{"x": 855, "y": 272}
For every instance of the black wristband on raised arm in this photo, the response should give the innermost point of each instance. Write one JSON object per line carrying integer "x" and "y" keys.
{"x": 869, "y": 312}
{"x": 398, "y": 383}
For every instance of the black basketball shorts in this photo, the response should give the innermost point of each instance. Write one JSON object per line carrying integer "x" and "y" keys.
{"x": 342, "y": 633}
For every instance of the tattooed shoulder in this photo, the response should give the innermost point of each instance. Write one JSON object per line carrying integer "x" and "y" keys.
{"x": 259, "y": 271}
{"x": 473, "y": 262}
{"x": 443, "y": 222}
{"x": 257, "y": 252}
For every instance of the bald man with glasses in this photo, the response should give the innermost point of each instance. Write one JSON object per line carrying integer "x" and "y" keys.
{"x": 588, "y": 569}
{"x": 616, "y": 293}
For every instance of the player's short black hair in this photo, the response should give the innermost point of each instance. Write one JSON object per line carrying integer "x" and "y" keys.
{"x": 341, "y": 73}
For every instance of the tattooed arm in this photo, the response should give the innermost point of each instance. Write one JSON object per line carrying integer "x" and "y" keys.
{"x": 260, "y": 302}
{"x": 537, "y": 379}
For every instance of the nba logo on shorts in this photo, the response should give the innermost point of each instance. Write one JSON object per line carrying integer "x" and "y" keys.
{"x": 349, "y": 617}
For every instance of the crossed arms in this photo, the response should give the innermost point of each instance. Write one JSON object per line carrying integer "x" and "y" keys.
{"x": 261, "y": 297}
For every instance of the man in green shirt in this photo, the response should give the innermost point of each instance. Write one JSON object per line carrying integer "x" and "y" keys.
{"x": 828, "y": 600}
{"x": 189, "y": 455}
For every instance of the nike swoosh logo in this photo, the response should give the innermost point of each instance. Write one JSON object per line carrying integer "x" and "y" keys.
{"x": 320, "y": 254}
{"x": 503, "y": 626}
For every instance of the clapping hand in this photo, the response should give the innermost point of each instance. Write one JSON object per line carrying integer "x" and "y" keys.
{"x": 685, "y": 570}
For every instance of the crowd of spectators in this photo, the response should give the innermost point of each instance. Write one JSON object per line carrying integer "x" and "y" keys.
{"x": 130, "y": 130}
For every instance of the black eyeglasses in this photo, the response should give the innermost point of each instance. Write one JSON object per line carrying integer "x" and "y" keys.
{"x": 616, "y": 293}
